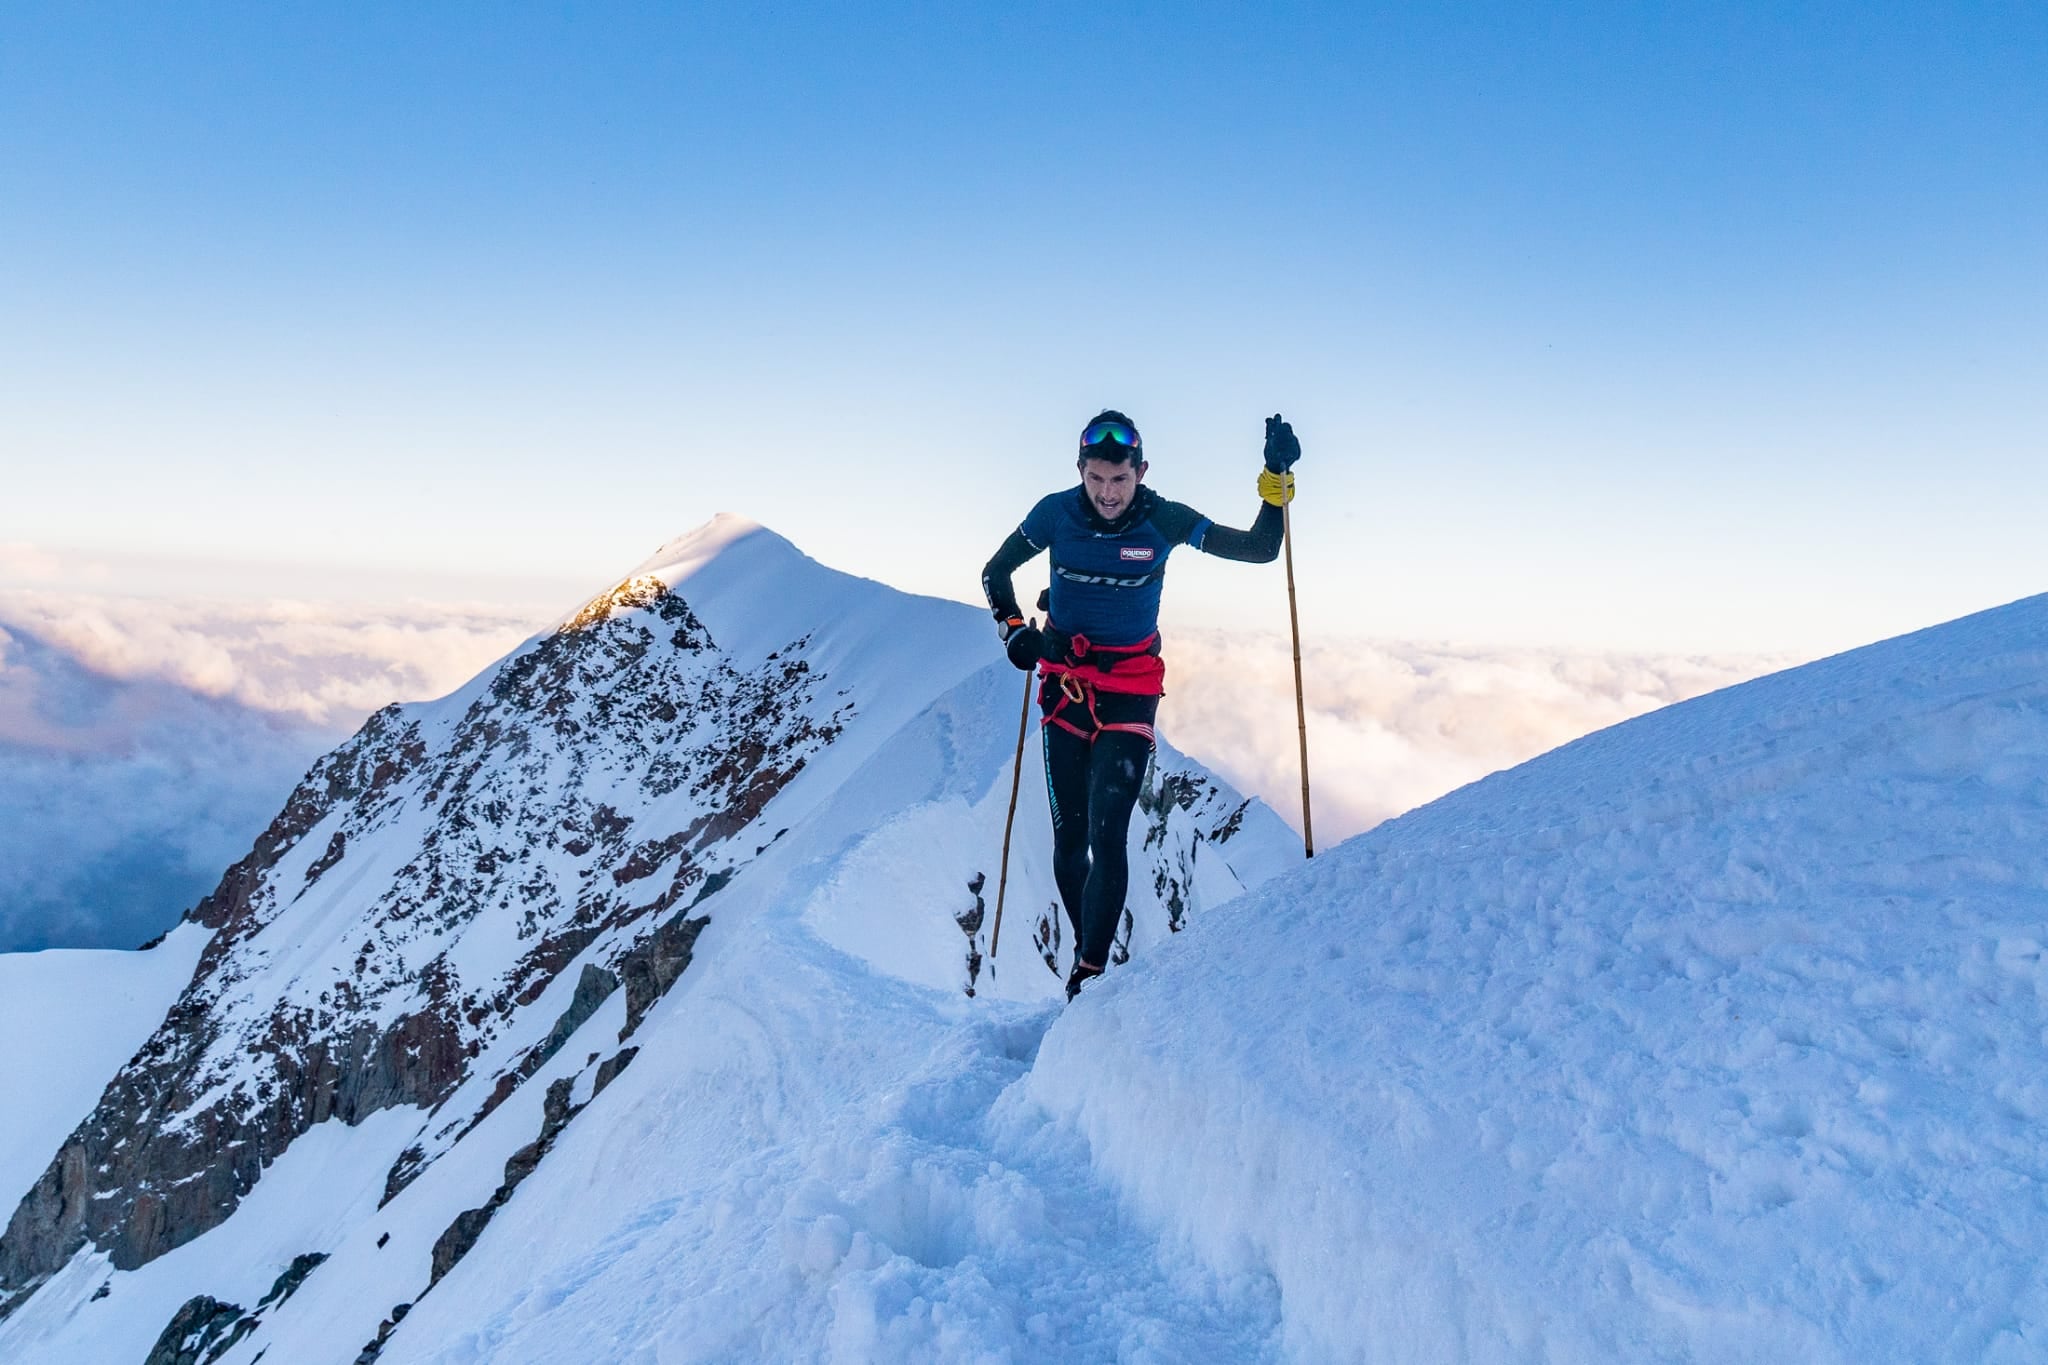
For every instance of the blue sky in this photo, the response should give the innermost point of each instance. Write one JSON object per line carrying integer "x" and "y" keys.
{"x": 1714, "y": 327}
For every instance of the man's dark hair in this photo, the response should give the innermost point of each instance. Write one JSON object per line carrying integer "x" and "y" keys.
{"x": 1110, "y": 451}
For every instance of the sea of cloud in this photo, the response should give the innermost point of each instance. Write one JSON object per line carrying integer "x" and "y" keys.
{"x": 1392, "y": 725}
{"x": 326, "y": 664}
{"x": 144, "y": 743}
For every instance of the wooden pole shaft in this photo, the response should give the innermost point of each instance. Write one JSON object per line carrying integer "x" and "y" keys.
{"x": 1308, "y": 833}
{"x": 1016, "y": 779}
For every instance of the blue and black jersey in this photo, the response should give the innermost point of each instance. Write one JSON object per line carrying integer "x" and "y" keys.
{"x": 1107, "y": 576}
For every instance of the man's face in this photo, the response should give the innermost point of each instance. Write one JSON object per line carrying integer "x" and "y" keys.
{"x": 1111, "y": 485}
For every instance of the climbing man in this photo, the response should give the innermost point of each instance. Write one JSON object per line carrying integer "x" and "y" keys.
{"x": 1100, "y": 673}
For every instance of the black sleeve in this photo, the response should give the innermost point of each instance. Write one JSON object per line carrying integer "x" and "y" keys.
{"x": 1260, "y": 545}
{"x": 995, "y": 575}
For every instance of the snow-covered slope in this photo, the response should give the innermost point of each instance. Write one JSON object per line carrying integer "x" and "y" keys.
{"x": 1721, "y": 1035}
{"x": 69, "y": 1017}
{"x": 736, "y": 776}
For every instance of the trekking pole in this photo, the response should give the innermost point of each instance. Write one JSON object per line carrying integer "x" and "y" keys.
{"x": 1016, "y": 778}
{"x": 1308, "y": 833}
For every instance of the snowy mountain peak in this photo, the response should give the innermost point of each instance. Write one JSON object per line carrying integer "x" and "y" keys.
{"x": 685, "y": 551}
{"x": 759, "y": 550}
{"x": 758, "y": 556}
{"x": 755, "y": 591}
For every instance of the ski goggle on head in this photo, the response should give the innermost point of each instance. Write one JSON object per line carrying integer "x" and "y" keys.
{"x": 1111, "y": 433}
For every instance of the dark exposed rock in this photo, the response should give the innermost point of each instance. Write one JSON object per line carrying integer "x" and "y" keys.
{"x": 403, "y": 1172}
{"x": 713, "y": 884}
{"x": 653, "y": 966}
{"x": 455, "y": 1241}
{"x": 1172, "y": 892}
{"x": 197, "y": 1333}
{"x": 336, "y": 847}
{"x": 294, "y": 1275}
{"x": 609, "y": 1069}
{"x": 539, "y": 967}
{"x": 375, "y": 1347}
{"x": 1045, "y": 937}
{"x": 970, "y": 921}
{"x": 1174, "y": 871}
{"x": 1224, "y": 832}
{"x": 647, "y": 859}
{"x": 1160, "y": 798}
{"x": 593, "y": 988}
{"x": 522, "y": 1164}
{"x": 556, "y": 1111}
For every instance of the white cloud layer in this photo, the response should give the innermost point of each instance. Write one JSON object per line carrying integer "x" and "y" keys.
{"x": 325, "y": 664}
{"x": 1393, "y": 725}
{"x": 145, "y": 743}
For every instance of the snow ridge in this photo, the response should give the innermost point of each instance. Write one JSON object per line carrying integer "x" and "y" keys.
{"x": 1714, "y": 1036}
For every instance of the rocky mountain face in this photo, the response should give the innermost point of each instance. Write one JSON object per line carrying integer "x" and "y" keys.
{"x": 467, "y": 887}
{"x": 587, "y": 791}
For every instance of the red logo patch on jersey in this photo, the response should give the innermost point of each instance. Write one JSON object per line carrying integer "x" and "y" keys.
{"x": 1142, "y": 553}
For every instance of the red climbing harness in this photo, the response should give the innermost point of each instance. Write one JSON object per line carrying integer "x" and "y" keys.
{"x": 1127, "y": 670}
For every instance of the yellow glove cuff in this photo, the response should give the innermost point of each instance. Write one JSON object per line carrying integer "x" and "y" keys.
{"x": 1277, "y": 489}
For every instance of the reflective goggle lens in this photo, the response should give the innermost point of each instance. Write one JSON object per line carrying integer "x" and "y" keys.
{"x": 1099, "y": 432}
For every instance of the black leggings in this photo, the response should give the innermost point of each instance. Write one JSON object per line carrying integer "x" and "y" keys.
{"x": 1092, "y": 784}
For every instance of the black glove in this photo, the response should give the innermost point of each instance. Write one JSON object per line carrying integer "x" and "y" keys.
{"x": 1282, "y": 449}
{"x": 1026, "y": 646}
